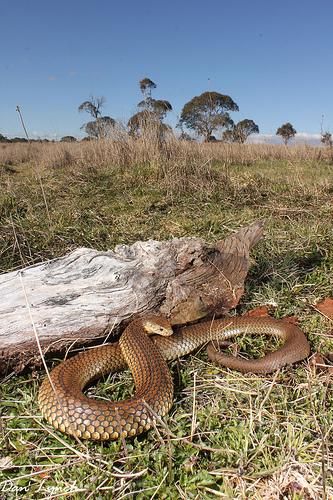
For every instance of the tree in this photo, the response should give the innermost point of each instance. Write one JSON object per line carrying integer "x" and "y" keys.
{"x": 93, "y": 107}
{"x": 208, "y": 112}
{"x": 286, "y": 131}
{"x": 184, "y": 136}
{"x": 326, "y": 138}
{"x": 4, "y": 138}
{"x": 240, "y": 131}
{"x": 157, "y": 106}
{"x": 101, "y": 126}
{"x": 152, "y": 112}
{"x": 19, "y": 139}
{"x": 147, "y": 121}
{"x": 228, "y": 136}
{"x": 146, "y": 86}
{"x": 141, "y": 121}
{"x": 68, "y": 138}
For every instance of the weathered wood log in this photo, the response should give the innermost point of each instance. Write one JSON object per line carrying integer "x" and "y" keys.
{"x": 88, "y": 294}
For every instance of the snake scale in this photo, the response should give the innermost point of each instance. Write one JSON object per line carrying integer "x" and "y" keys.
{"x": 64, "y": 405}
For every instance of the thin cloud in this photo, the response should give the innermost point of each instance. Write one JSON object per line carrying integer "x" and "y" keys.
{"x": 51, "y": 78}
{"x": 43, "y": 134}
{"x": 300, "y": 138}
{"x": 307, "y": 136}
{"x": 261, "y": 138}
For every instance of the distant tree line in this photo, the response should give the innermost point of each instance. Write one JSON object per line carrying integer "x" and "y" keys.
{"x": 3, "y": 138}
{"x": 66, "y": 138}
{"x": 204, "y": 116}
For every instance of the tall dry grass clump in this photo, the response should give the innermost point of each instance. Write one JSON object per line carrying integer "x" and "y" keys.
{"x": 12, "y": 154}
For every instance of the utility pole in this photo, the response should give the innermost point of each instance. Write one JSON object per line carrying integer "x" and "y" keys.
{"x": 21, "y": 118}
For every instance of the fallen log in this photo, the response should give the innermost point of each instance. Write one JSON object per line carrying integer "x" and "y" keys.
{"x": 88, "y": 295}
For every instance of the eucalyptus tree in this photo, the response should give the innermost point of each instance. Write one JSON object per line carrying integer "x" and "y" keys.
{"x": 151, "y": 112}
{"x": 207, "y": 112}
{"x": 101, "y": 128}
{"x": 286, "y": 131}
{"x": 240, "y": 131}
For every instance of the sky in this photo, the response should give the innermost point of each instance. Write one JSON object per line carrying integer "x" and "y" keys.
{"x": 274, "y": 58}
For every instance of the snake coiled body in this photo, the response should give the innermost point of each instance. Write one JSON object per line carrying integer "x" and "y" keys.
{"x": 65, "y": 406}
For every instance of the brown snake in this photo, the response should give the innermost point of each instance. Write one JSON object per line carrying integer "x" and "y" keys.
{"x": 65, "y": 406}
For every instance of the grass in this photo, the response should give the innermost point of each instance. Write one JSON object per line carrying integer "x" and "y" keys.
{"x": 228, "y": 435}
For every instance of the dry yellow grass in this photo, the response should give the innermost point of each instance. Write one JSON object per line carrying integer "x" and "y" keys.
{"x": 178, "y": 166}
{"x": 123, "y": 150}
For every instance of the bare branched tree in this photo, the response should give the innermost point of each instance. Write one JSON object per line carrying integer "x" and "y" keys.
{"x": 93, "y": 106}
{"x": 102, "y": 126}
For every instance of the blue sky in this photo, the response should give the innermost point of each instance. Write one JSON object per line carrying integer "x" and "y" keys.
{"x": 273, "y": 58}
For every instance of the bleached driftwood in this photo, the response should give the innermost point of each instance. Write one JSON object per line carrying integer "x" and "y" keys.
{"x": 87, "y": 294}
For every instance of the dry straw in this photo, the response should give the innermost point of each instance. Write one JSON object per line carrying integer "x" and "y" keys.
{"x": 178, "y": 166}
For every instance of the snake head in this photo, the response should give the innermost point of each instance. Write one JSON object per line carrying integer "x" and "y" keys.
{"x": 157, "y": 325}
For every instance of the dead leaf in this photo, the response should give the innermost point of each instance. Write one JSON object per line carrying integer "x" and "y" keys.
{"x": 321, "y": 363}
{"x": 294, "y": 320}
{"x": 292, "y": 488}
{"x": 262, "y": 311}
{"x": 317, "y": 362}
{"x": 42, "y": 472}
{"x": 258, "y": 312}
{"x": 325, "y": 307}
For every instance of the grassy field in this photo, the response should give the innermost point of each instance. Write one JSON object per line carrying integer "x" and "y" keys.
{"x": 228, "y": 435}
